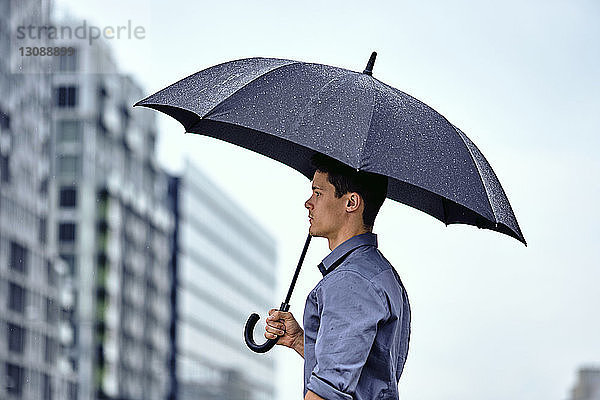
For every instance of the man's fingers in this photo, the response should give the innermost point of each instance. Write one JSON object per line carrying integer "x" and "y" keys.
{"x": 276, "y": 324}
{"x": 275, "y": 315}
{"x": 275, "y": 330}
{"x": 270, "y": 336}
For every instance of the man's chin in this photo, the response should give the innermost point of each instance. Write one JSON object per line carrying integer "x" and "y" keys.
{"x": 314, "y": 233}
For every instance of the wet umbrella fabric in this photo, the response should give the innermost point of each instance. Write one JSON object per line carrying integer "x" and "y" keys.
{"x": 287, "y": 110}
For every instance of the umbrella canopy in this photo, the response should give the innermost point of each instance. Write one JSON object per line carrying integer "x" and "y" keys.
{"x": 288, "y": 110}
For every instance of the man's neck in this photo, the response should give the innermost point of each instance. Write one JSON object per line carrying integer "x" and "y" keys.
{"x": 343, "y": 235}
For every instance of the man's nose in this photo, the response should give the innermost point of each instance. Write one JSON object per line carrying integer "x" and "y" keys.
{"x": 307, "y": 203}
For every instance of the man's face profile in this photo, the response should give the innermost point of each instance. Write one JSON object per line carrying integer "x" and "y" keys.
{"x": 326, "y": 212}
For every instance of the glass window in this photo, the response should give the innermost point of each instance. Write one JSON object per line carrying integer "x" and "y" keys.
{"x": 68, "y": 131}
{"x": 72, "y": 391}
{"x": 47, "y": 387}
{"x": 16, "y": 298}
{"x": 44, "y": 186}
{"x": 14, "y": 379}
{"x": 4, "y": 169}
{"x": 18, "y": 257}
{"x": 51, "y": 311}
{"x": 4, "y": 120}
{"x": 16, "y": 338}
{"x": 50, "y": 345}
{"x": 68, "y": 63}
{"x": 51, "y": 274}
{"x": 70, "y": 260}
{"x": 75, "y": 328}
{"x": 68, "y": 196}
{"x": 66, "y": 232}
{"x": 68, "y": 165}
{"x": 66, "y": 96}
{"x": 42, "y": 231}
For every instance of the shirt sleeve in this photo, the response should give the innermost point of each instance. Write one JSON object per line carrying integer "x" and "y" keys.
{"x": 349, "y": 309}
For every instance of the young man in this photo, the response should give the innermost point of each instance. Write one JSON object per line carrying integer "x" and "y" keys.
{"x": 357, "y": 318}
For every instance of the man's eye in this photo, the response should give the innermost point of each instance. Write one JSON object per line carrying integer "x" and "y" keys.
{"x": 317, "y": 194}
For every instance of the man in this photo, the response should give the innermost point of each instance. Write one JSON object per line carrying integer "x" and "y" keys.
{"x": 357, "y": 318}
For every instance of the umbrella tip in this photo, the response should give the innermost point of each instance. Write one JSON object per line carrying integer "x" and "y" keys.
{"x": 369, "y": 69}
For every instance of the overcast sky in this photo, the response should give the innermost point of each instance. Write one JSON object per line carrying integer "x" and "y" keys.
{"x": 492, "y": 319}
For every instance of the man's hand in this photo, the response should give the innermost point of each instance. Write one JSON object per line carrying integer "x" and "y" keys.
{"x": 312, "y": 396}
{"x": 283, "y": 325}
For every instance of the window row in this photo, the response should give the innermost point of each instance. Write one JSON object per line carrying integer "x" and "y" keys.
{"x": 19, "y": 261}
{"x": 17, "y": 338}
{"x": 20, "y": 299}
{"x": 65, "y": 96}
{"x": 16, "y": 377}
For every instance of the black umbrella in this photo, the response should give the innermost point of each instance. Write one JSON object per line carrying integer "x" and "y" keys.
{"x": 288, "y": 110}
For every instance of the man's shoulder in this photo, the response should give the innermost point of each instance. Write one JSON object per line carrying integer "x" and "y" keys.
{"x": 366, "y": 261}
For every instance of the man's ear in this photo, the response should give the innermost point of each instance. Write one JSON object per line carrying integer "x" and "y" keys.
{"x": 353, "y": 202}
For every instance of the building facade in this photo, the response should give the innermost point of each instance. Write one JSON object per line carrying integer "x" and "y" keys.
{"x": 34, "y": 292}
{"x": 113, "y": 227}
{"x": 588, "y": 385}
{"x": 225, "y": 269}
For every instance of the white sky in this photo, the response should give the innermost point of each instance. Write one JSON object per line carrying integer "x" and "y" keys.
{"x": 491, "y": 319}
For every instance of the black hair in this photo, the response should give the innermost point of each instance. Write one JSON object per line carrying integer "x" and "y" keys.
{"x": 371, "y": 187}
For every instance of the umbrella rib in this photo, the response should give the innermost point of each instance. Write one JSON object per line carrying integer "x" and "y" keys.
{"x": 445, "y": 209}
{"x": 487, "y": 193}
{"x": 324, "y": 85}
{"x": 246, "y": 84}
{"x": 372, "y": 109}
{"x": 364, "y": 145}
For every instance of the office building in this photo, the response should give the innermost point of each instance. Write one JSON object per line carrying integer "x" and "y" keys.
{"x": 587, "y": 386}
{"x": 113, "y": 226}
{"x": 225, "y": 270}
{"x": 34, "y": 295}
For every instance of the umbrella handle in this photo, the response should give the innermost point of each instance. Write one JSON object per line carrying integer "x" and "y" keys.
{"x": 249, "y": 333}
{"x": 253, "y": 319}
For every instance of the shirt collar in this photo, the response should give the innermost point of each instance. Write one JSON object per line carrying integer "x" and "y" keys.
{"x": 335, "y": 257}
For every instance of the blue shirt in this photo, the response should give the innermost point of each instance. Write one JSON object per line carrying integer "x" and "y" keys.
{"x": 356, "y": 325}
